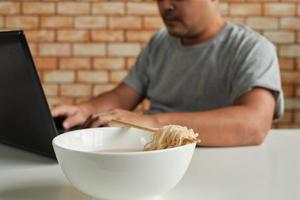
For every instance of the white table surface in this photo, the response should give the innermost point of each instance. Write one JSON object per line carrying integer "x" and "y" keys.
{"x": 270, "y": 171}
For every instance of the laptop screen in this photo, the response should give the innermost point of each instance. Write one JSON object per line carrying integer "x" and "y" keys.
{"x": 25, "y": 119}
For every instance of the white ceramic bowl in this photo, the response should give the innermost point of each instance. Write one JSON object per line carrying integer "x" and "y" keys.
{"x": 119, "y": 175}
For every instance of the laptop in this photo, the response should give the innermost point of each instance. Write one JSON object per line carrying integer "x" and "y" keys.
{"x": 25, "y": 118}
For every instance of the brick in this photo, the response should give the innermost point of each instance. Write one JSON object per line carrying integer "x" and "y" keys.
{"x": 59, "y": 100}
{"x": 130, "y": 62}
{"x": 108, "y": 35}
{"x": 1, "y": 21}
{"x": 72, "y": 35}
{"x": 95, "y": 76}
{"x": 50, "y": 89}
{"x": 22, "y": 22}
{"x": 291, "y": 23}
{"x": 55, "y": 49}
{"x": 280, "y": 37}
{"x": 90, "y": 22}
{"x": 290, "y": 77}
{"x": 263, "y": 1}
{"x": 89, "y": 49}
{"x": 297, "y": 117}
{"x": 224, "y": 8}
{"x": 117, "y": 76}
{"x": 298, "y": 91}
{"x": 76, "y": 90}
{"x": 109, "y": 63}
{"x": 262, "y": 23}
{"x": 99, "y": 89}
{"x": 108, "y": 8}
{"x": 33, "y": 48}
{"x": 286, "y": 64}
{"x": 73, "y": 8}
{"x": 274, "y": 125}
{"x": 56, "y": 22}
{"x": 234, "y": 1}
{"x": 245, "y": 9}
{"x": 123, "y": 49}
{"x": 280, "y": 9}
{"x": 292, "y": 103}
{"x": 45, "y": 62}
{"x": 40, "y": 35}
{"x": 138, "y": 36}
{"x": 238, "y": 20}
{"x": 74, "y": 63}
{"x": 59, "y": 76}
{"x": 288, "y": 90}
{"x": 142, "y": 8}
{"x": 125, "y": 22}
{"x": 287, "y": 117}
{"x": 38, "y": 8}
{"x": 289, "y": 51}
{"x": 289, "y": 1}
{"x": 9, "y": 8}
{"x": 152, "y": 22}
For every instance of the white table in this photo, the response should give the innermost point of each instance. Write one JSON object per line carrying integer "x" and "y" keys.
{"x": 267, "y": 172}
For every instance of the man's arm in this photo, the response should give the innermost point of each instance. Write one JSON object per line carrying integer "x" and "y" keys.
{"x": 122, "y": 97}
{"x": 245, "y": 123}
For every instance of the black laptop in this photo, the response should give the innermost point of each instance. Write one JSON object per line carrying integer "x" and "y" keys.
{"x": 25, "y": 118}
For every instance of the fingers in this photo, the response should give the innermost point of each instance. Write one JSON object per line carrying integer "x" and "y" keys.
{"x": 74, "y": 120}
{"x": 63, "y": 110}
{"x": 101, "y": 119}
{"x": 73, "y": 115}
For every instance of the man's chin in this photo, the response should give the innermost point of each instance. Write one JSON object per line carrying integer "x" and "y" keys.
{"x": 175, "y": 33}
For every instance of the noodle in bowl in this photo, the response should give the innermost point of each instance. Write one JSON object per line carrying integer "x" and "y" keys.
{"x": 109, "y": 163}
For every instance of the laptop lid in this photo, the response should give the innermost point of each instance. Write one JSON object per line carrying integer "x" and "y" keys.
{"x": 25, "y": 118}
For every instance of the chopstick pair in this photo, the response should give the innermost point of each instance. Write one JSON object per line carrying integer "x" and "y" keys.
{"x": 94, "y": 117}
{"x": 128, "y": 124}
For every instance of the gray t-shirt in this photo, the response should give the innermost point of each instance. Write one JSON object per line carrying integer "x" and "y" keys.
{"x": 205, "y": 76}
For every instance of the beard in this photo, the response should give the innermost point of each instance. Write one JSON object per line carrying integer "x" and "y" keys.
{"x": 176, "y": 26}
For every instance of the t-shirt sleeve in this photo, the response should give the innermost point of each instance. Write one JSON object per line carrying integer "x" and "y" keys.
{"x": 137, "y": 77}
{"x": 258, "y": 66}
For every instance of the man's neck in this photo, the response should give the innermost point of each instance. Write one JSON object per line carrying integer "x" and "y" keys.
{"x": 206, "y": 35}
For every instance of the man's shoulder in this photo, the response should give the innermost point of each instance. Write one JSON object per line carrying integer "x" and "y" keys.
{"x": 244, "y": 35}
{"x": 243, "y": 39}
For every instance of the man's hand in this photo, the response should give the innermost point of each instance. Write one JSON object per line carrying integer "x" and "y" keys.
{"x": 105, "y": 104}
{"x": 104, "y": 118}
{"x": 74, "y": 115}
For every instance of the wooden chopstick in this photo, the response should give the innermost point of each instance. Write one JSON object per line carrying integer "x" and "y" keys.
{"x": 127, "y": 124}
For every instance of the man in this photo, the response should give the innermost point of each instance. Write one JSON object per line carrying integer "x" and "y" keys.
{"x": 220, "y": 79}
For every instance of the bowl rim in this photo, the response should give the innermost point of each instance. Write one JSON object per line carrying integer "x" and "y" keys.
{"x": 117, "y": 153}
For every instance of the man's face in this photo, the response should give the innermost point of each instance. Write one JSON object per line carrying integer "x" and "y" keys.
{"x": 186, "y": 18}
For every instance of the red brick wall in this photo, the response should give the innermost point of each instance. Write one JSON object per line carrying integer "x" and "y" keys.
{"x": 82, "y": 48}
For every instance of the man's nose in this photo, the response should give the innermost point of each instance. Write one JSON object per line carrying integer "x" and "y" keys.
{"x": 166, "y": 5}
